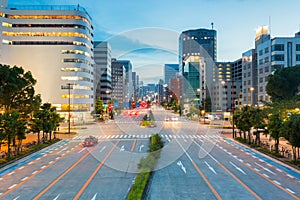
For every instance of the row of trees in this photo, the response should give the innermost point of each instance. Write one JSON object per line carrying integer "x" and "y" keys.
{"x": 21, "y": 110}
{"x": 281, "y": 118}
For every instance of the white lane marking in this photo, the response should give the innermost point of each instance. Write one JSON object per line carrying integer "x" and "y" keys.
{"x": 291, "y": 191}
{"x": 289, "y": 175}
{"x": 256, "y": 169}
{"x": 94, "y": 197}
{"x": 57, "y": 158}
{"x": 179, "y": 163}
{"x": 102, "y": 149}
{"x": 11, "y": 173}
{"x": 117, "y": 136}
{"x": 121, "y": 136}
{"x": 51, "y": 162}
{"x": 30, "y": 163}
{"x": 248, "y": 164}
{"x": 269, "y": 165}
{"x": 276, "y": 182}
{"x": 211, "y": 168}
{"x": 141, "y": 147}
{"x": 38, "y": 159}
{"x": 125, "y": 136}
{"x": 122, "y": 148}
{"x": 184, "y": 150}
{"x": 63, "y": 154}
{"x": 14, "y": 185}
{"x": 113, "y": 136}
{"x": 265, "y": 168}
{"x": 1, "y": 179}
{"x": 82, "y": 150}
{"x": 17, "y": 197}
{"x": 63, "y": 149}
{"x": 56, "y": 197}
{"x": 34, "y": 172}
{"x": 44, "y": 155}
{"x": 239, "y": 169}
{"x": 279, "y": 170}
{"x": 266, "y": 175}
{"x": 23, "y": 179}
{"x": 43, "y": 167}
{"x": 240, "y": 160}
{"x": 261, "y": 160}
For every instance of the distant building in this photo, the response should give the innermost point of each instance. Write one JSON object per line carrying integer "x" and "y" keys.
{"x": 55, "y": 43}
{"x": 129, "y": 83}
{"x": 118, "y": 82}
{"x": 176, "y": 88}
{"x": 170, "y": 71}
{"x": 102, "y": 71}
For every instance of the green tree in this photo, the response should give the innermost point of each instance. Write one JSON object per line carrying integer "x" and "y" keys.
{"x": 16, "y": 88}
{"x": 258, "y": 117}
{"x": 275, "y": 127}
{"x": 242, "y": 120}
{"x": 99, "y": 108}
{"x": 50, "y": 120}
{"x": 283, "y": 84}
{"x": 291, "y": 131}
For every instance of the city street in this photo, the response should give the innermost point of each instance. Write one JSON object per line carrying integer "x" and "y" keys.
{"x": 196, "y": 163}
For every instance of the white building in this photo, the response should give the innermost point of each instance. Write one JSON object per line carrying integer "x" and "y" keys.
{"x": 102, "y": 71}
{"x": 274, "y": 53}
{"x": 56, "y": 44}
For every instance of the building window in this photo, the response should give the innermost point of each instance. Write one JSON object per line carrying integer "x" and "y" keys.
{"x": 261, "y": 62}
{"x": 297, "y": 47}
{"x": 267, "y": 59}
{"x": 261, "y": 89}
{"x": 298, "y": 57}
{"x": 267, "y": 50}
{"x": 278, "y": 57}
{"x": 267, "y": 69}
{"x": 261, "y": 70}
{"x": 278, "y": 47}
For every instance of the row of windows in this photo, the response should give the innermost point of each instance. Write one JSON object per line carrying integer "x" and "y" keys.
{"x": 75, "y": 69}
{"x": 9, "y": 25}
{"x": 75, "y": 107}
{"x": 262, "y": 51}
{"x": 45, "y": 34}
{"x": 46, "y": 17}
{"x": 265, "y": 60}
{"x": 75, "y": 78}
{"x": 76, "y": 87}
{"x": 261, "y": 70}
{"x": 76, "y": 60}
{"x": 45, "y": 43}
{"x": 76, "y": 96}
{"x": 76, "y": 52}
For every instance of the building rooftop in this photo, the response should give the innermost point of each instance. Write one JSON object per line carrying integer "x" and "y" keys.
{"x": 49, "y": 7}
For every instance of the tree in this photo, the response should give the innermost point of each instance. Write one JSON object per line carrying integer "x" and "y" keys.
{"x": 275, "y": 127}
{"x": 243, "y": 121}
{"x": 99, "y": 108}
{"x": 284, "y": 83}
{"x": 291, "y": 131}
{"x": 258, "y": 117}
{"x": 16, "y": 88}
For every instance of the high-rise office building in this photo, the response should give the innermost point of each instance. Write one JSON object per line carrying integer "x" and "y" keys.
{"x": 118, "y": 82}
{"x": 170, "y": 71}
{"x": 55, "y": 43}
{"x": 102, "y": 71}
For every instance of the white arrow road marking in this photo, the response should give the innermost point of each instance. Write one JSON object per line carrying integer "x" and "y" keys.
{"x": 102, "y": 149}
{"x": 142, "y": 146}
{"x": 237, "y": 168}
{"x": 179, "y": 163}
{"x": 265, "y": 168}
{"x": 94, "y": 197}
{"x": 82, "y": 150}
{"x": 211, "y": 168}
{"x": 16, "y": 198}
{"x": 56, "y": 197}
{"x": 122, "y": 148}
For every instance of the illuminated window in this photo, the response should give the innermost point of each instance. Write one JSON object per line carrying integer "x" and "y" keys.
{"x": 76, "y": 52}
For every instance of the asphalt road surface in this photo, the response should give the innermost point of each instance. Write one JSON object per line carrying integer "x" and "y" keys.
{"x": 196, "y": 163}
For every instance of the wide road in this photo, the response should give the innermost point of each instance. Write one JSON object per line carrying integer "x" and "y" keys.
{"x": 196, "y": 163}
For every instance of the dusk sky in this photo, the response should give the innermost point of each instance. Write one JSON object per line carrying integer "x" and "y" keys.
{"x": 154, "y": 26}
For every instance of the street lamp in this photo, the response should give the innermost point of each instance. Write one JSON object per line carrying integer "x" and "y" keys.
{"x": 232, "y": 102}
{"x": 69, "y": 106}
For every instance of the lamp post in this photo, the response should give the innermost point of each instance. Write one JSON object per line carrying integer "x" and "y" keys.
{"x": 69, "y": 106}
{"x": 232, "y": 103}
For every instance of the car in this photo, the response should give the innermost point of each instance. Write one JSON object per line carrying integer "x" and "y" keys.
{"x": 174, "y": 118}
{"x": 89, "y": 141}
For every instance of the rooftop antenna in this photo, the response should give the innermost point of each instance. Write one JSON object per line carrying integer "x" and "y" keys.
{"x": 212, "y": 25}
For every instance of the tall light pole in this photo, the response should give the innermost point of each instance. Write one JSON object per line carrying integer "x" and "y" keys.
{"x": 69, "y": 107}
{"x": 232, "y": 103}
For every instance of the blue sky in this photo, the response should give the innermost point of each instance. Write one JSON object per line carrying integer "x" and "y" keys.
{"x": 234, "y": 20}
